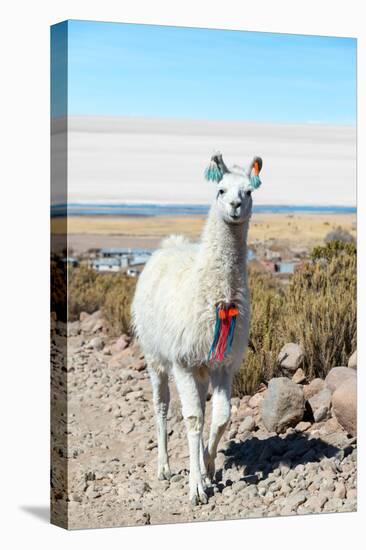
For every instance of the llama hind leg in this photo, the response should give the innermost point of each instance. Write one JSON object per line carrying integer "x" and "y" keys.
{"x": 193, "y": 416}
{"x": 161, "y": 398}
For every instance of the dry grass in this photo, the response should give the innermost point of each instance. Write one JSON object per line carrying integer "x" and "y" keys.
{"x": 110, "y": 292}
{"x": 317, "y": 309}
{"x": 297, "y": 229}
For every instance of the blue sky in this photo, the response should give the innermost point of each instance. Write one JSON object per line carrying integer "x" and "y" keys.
{"x": 156, "y": 71}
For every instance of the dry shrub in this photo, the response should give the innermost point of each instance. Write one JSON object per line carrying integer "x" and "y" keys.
{"x": 321, "y": 311}
{"x": 317, "y": 310}
{"x": 267, "y": 302}
{"x": 110, "y": 292}
{"x": 58, "y": 289}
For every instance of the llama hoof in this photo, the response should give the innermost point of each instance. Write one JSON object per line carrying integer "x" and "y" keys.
{"x": 210, "y": 466}
{"x": 207, "y": 482}
{"x": 164, "y": 473}
{"x": 198, "y": 495}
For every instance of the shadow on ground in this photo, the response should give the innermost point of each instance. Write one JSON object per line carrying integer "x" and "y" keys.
{"x": 40, "y": 512}
{"x": 259, "y": 457}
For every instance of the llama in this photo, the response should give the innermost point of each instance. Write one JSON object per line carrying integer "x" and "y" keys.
{"x": 183, "y": 293}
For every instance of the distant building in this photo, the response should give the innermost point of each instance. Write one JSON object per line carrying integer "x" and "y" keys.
{"x": 139, "y": 258}
{"x": 115, "y": 252}
{"x": 106, "y": 264}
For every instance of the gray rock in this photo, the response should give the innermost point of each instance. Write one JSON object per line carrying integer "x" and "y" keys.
{"x": 96, "y": 343}
{"x": 337, "y": 375}
{"x": 302, "y": 426}
{"x": 177, "y": 477}
{"x": 333, "y": 505}
{"x": 92, "y": 323}
{"x": 352, "y": 361}
{"x": 291, "y": 357}
{"x": 345, "y": 405}
{"x": 248, "y": 424}
{"x": 320, "y": 404}
{"x": 73, "y": 329}
{"x": 255, "y": 400}
{"x": 293, "y": 501}
{"x": 121, "y": 344}
{"x": 316, "y": 502}
{"x": 299, "y": 377}
{"x": 340, "y": 490}
{"x": 314, "y": 387}
{"x": 283, "y": 405}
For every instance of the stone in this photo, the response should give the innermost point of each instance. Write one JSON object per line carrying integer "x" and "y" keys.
{"x": 291, "y": 357}
{"x": 345, "y": 405}
{"x": 283, "y": 405}
{"x": 331, "y": 426}
{"x": 83, "y": 315}
{"x": 93, "y": 323}
{"x": 73, "y": 329}
{"x": 340, "y": 490}
{"x": 352, "y": 361}
{"x": 255, "y": 400}
{"x": 316, "y": 502}
{"x": 293, "y": 501}
{"x": 96, "y": 343}
{"x": 320, "y": 404}
{"x": 248, "y": 424}
{"x": 176, "y": 478}
{"x": 299, "y": 377}
{"x": 314, "y": 387}
{"x": 337, "y": 375}
{"x": 302, "y": 426}
{"x": 121, "y": 344}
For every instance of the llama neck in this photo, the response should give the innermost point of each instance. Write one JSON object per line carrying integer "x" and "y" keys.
{"x": 223, "y": 256}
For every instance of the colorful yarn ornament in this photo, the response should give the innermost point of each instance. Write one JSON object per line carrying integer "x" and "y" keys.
{"x": 213, "y": 172}
{"x": 255, "y": 182}
{"x": 224, "y": 332}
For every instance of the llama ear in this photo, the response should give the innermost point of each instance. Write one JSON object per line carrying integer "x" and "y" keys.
{"x": 255, "y": 168}
{"x": 216, "y": 169}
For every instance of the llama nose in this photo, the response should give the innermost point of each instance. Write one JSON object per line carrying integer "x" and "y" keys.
{"x": 236, "y": 203}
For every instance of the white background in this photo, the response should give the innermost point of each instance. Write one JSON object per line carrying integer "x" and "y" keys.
{"x": 24, "y": 363}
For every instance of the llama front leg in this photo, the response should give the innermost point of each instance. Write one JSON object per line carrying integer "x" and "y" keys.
{"x": 193, "y": 416}
{"x": 221, "y": 380}
{"x": 202, "y": 378}
{"x": 161, "y": 397}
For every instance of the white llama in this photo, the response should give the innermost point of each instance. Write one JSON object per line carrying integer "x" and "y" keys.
{"x": 183, "y": 291}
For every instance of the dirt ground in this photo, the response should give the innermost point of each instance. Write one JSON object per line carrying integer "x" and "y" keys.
{"x": 104, "y": 448}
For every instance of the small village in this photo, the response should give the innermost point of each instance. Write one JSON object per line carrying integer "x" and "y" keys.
{"x": 131, "y": 261}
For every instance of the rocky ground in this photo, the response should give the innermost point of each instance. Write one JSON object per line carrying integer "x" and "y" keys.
{"x": 109, "y": 465}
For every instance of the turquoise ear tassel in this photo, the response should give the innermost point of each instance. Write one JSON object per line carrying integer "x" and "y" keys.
{"x": 213, "y": 172}
{"x": 255, "y": 182}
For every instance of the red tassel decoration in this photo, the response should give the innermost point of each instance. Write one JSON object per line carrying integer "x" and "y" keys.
{"x": 224, "y": 332}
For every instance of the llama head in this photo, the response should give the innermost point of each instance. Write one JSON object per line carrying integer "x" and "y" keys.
{"x": 234, "y": 188}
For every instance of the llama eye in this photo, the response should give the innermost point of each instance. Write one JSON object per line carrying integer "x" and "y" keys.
{"x": 248, "y": 193}
{"x": 221, "y": 192}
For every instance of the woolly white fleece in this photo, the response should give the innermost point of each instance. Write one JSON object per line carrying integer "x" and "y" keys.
{"x": 173, "y": 315}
